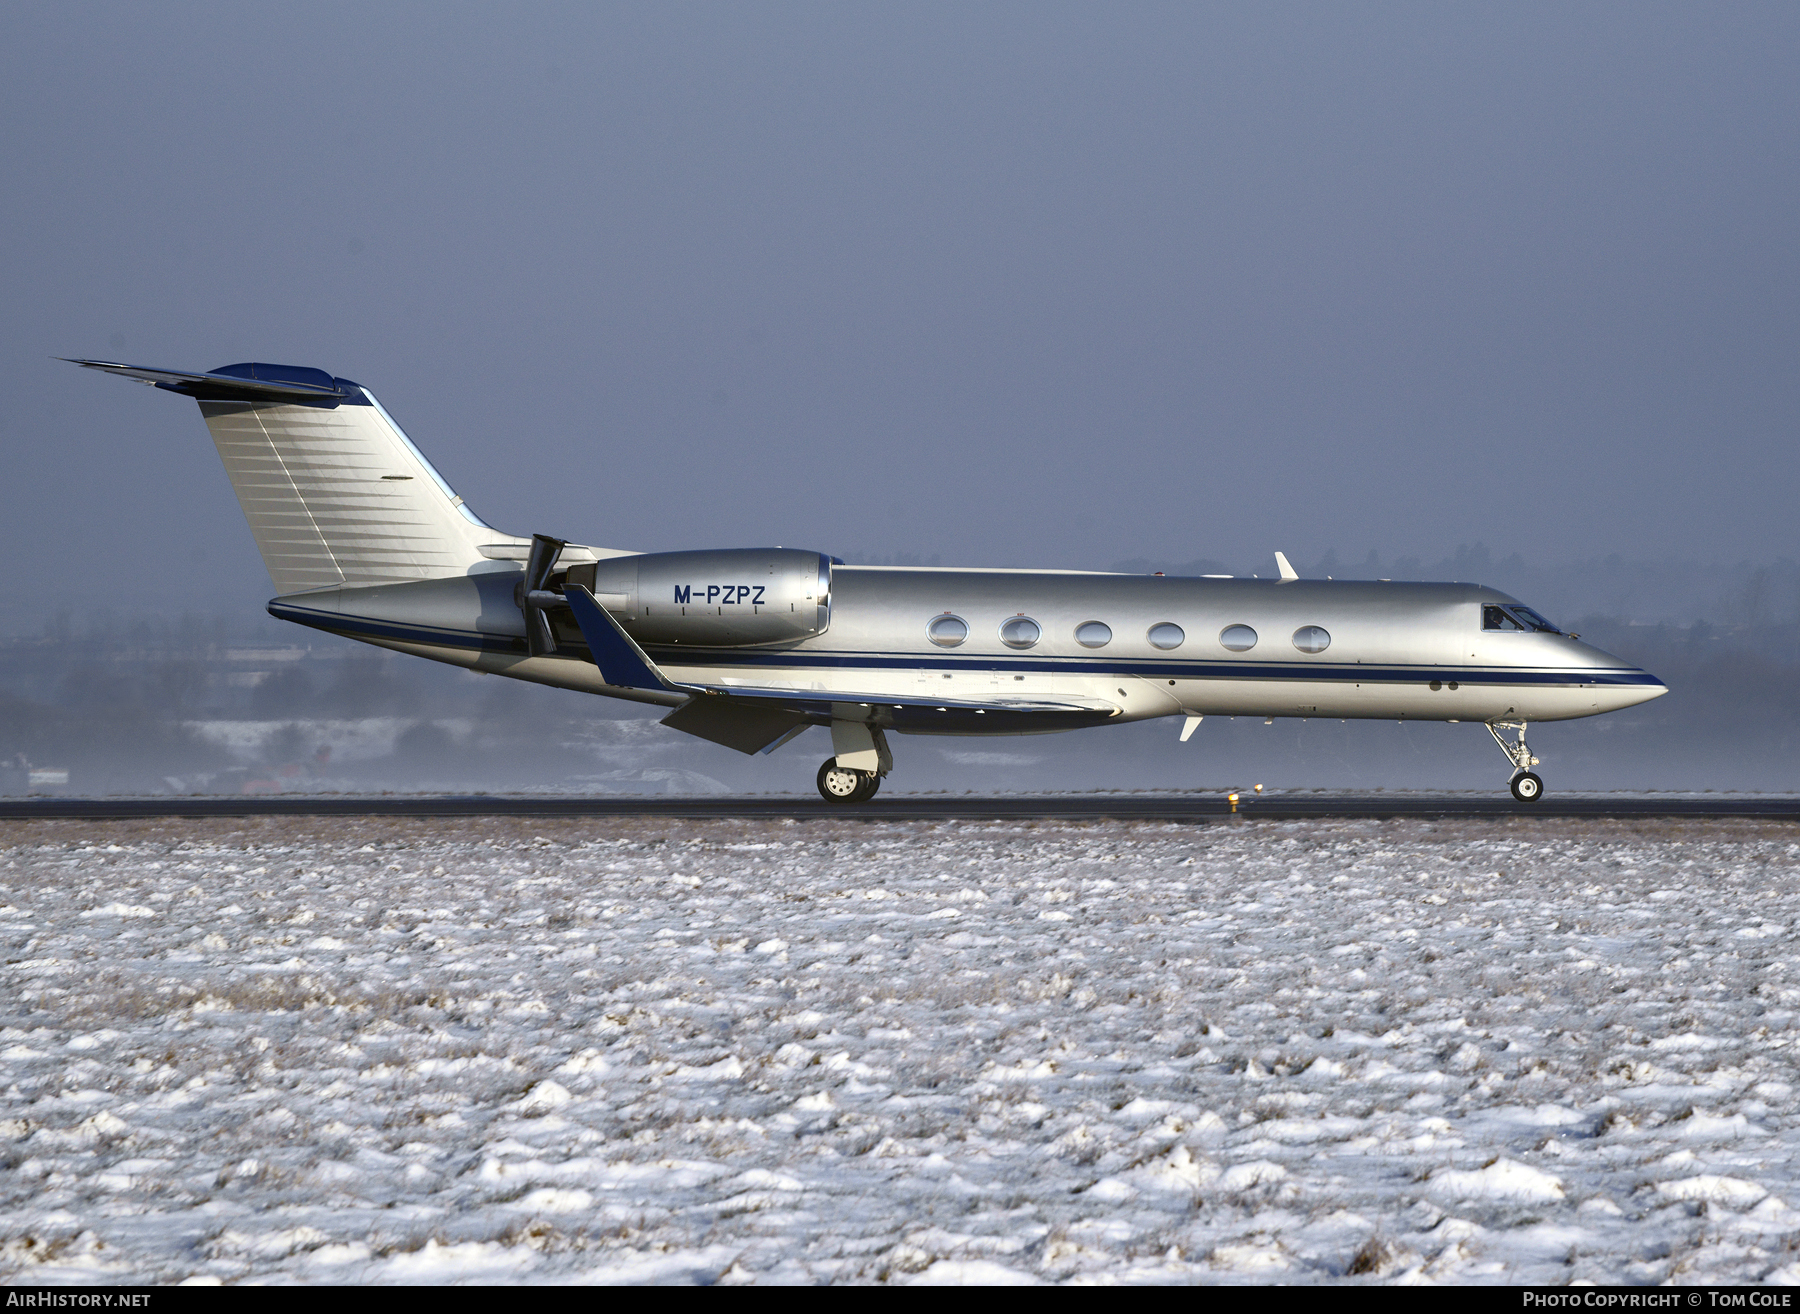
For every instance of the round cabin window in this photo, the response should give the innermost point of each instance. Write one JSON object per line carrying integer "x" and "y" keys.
{"x": 1311, "y": 638}
{"x": 1093, "y": 634}
{"x": 947, "y": 631}
{"x": 1166, "y": 636}
{"x": 1020, "y": 632}
{"x": 1237, "y": 638}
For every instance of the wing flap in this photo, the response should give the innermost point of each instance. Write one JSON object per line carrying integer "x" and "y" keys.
{"x": 848, "y": 704}
{"x": 747, "y": 728}
{"x": 920, "y": 716}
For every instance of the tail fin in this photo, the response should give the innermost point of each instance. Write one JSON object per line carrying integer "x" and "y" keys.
{"x": 334, "y": 490}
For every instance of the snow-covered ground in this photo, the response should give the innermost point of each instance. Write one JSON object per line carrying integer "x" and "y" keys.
{"x": 315, "y": 1050}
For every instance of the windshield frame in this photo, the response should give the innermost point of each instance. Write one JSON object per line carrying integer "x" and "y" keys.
{"x": 1526, "y": 620}
{"x": 1532, "y": 619}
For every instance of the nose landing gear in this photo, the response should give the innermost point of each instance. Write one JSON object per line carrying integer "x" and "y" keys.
{"x": 846, "y": 784}
{"x": 1527, "y": 785}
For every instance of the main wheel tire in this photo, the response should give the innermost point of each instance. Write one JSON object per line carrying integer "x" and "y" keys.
{"x": 1527, "y": 787}
{"x": 841, "y": 784}
{"x": 871, "y": 786}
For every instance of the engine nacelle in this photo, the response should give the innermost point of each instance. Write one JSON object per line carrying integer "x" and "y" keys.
{"x": 729, "y": 598}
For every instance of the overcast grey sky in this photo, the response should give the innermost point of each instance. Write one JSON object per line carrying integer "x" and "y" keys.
{"x": 1013, "y": 284}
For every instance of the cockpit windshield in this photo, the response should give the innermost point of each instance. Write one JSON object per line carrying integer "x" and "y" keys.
{"x": 1534, "y": 620}
{"x": 1515, "y": 620}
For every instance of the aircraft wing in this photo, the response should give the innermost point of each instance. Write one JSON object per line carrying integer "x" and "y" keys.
{"x": 615, "y": 652}
{"x": 754, "y": 719}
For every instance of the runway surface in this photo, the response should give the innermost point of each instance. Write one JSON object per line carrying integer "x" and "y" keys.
{"x": 1068, "y": 807}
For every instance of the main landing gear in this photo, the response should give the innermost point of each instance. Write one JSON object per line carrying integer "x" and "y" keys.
{"x": 1527, "y": 786}
{"x": 846, "y": 784}
{"x": 859, "y": 760}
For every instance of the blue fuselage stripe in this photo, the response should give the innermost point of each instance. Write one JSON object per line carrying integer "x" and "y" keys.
{"x": 1161, "y": 669}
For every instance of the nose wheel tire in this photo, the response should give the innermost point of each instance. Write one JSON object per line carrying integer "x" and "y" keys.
{"x": 1527, "y": 787}
{"x": 846, "y": 784}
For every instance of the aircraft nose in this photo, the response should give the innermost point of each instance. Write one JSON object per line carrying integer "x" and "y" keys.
{"x": 1642, "y": 688}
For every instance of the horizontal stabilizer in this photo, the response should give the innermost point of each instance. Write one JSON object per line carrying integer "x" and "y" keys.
{"x": 241, "y": 384}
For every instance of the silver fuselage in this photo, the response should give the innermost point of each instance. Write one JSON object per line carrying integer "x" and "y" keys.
{"x": 749, "y": 646}
{"x": 1397, "y": 650}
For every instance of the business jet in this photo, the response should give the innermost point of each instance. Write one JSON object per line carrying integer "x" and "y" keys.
{"x": 747, "y": 647}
